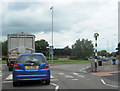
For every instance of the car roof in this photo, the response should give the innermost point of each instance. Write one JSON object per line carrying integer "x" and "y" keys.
{"x": 31, "y": 54}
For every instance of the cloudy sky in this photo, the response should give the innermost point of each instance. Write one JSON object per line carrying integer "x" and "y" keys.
{"x": 72, "y": 20}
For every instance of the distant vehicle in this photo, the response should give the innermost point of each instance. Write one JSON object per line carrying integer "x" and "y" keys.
{"x": 17, "y": 44}
{"x": 29, "y": 67}
{"x": 99, "y": 58}
{"x": 104, "y": 58}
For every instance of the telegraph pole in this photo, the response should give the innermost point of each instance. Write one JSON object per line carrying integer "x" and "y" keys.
{"x": 95, "y": 36}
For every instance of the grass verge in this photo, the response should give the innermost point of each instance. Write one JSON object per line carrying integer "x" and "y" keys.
{"x": 3, "y": 61}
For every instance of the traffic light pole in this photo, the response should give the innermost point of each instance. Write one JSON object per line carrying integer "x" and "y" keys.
{"x": 95, "y": 36}
{"x": 95, "y": 54}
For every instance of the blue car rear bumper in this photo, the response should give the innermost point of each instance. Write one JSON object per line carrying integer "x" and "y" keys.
{"x": 21, "y": 75}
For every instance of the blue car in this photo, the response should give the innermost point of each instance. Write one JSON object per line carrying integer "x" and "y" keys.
{"x": 31, "y": 67}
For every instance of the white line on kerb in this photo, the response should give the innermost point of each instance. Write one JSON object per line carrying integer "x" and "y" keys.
{"x": 108, "y": 84}
{"x": 57, "y": 87}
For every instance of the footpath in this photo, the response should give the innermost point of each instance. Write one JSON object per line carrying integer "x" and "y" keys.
{"x": 109, "y": 71}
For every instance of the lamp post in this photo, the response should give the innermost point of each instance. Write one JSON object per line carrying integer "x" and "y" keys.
{"x": 52, "y": 34}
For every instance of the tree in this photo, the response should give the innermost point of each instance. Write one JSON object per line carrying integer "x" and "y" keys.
{"x": 114, "y": 54}
{"x": 4, "y": 47}
{"x": 41, "y": 46}
{"x": 103, "y": 53}
{"x": 62, "y": 52}
{"x": 82, "y": 49}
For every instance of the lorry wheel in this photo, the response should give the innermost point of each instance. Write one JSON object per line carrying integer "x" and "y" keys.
{"x": 15, "y": 84}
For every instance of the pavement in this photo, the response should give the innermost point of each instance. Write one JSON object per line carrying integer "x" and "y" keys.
{"x": 109, "y": 71}
{"x": 63, "y": 77}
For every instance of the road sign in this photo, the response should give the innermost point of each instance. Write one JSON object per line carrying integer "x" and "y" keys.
{"x": 51, "y": 50}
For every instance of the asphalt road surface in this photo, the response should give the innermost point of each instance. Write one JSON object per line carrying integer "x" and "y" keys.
{"x": 67, "y": 76}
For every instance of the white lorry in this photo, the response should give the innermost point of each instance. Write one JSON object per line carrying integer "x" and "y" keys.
{"x": 19, "y": 43}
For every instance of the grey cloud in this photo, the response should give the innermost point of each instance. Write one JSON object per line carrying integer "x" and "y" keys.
{"x": 18, "y": 6}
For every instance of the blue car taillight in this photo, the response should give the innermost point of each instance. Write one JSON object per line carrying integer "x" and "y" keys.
{"x": 46, "y": 66}
{"x": 16, "y": 66}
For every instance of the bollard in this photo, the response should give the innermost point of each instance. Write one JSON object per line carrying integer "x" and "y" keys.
{"x": 114, "y": 61}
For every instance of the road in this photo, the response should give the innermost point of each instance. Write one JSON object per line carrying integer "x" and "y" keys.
{"x": 67, "y": 76}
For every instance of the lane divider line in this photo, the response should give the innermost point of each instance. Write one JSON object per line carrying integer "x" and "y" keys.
{"x": 109, "y": 84}
{"x": 57, "y": 87}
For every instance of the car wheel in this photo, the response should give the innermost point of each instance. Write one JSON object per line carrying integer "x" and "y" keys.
{"x": 47, "y": 82}
{"x": 15, "y": 83}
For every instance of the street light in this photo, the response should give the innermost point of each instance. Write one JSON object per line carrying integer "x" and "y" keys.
{"x": 52, "y": 34}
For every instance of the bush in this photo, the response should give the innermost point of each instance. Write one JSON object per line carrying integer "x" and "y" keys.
{"x": 73, "y": 57}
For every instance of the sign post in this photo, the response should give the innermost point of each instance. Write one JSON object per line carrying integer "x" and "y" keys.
{"x": 51, "y": 52}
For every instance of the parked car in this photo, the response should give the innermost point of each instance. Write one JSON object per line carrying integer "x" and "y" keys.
{"x": 31, "y": 67}
{"x": 105, "y": 58}
{"x": 99, "y": 58}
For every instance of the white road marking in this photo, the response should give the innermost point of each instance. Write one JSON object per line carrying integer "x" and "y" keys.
{"x": 74, "y": 79}
{"x": 51, "y": 77}
{"x": 83, "y": 71}
{"x": 57, "y": 87}
{"x": 9, "y": 77}
{"x": 108, "y": 84}
{"x": 79, "y": 75}
{"x": 88, "y": 66}
{"x": 68, "y": 76}
{"x": 103, "y": 81}
{"x": 83, "y": 68}
{"x": 7, "y": 81}
{"x": 54, "y": 80}
{"x": 88, "y": 79}
{"x": 61, "y": 73}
